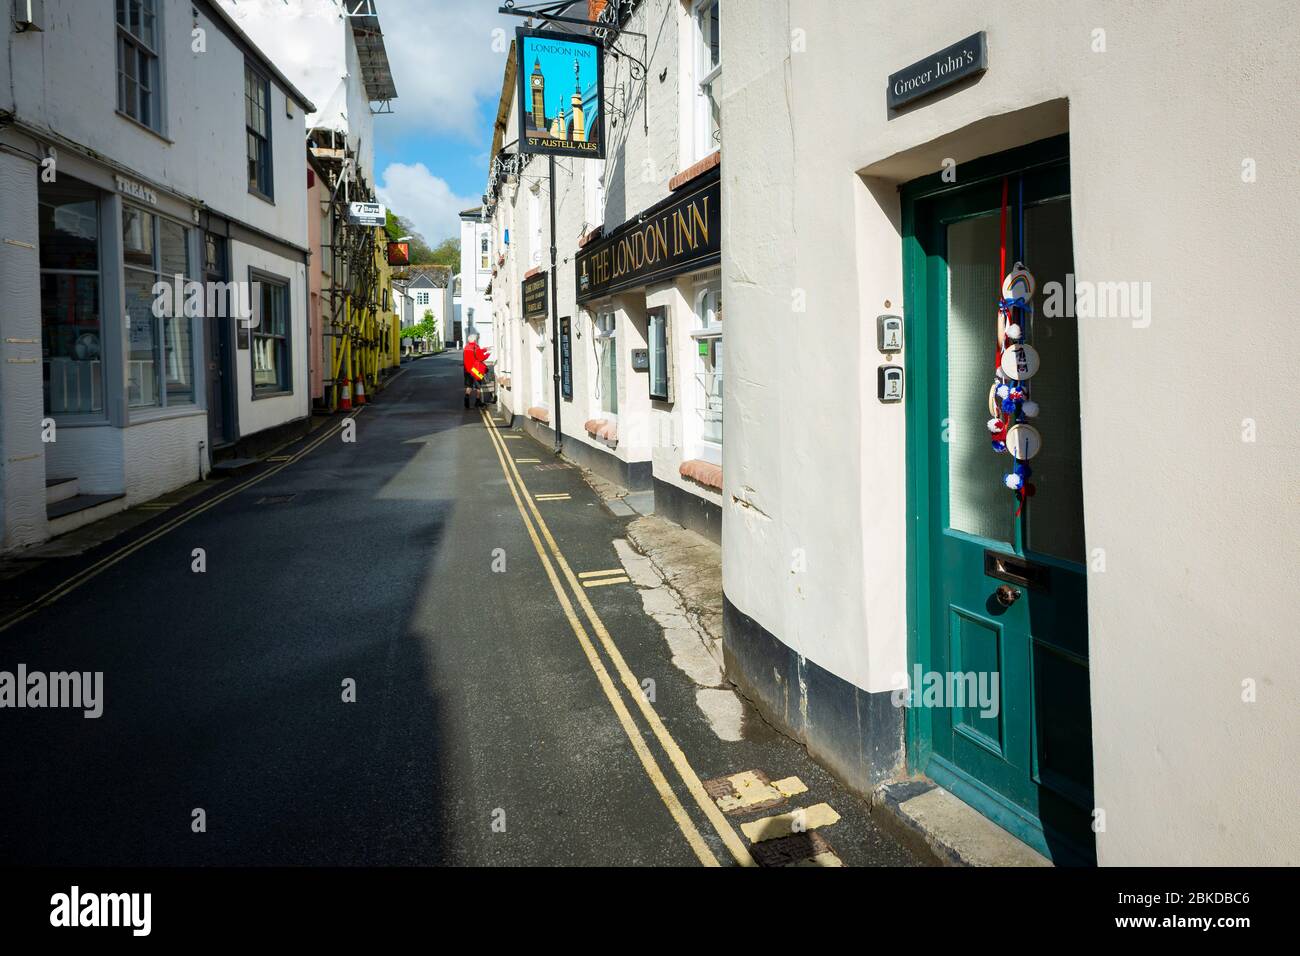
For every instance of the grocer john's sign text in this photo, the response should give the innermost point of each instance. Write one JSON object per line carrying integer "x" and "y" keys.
{"x": 964, "y": 58}
{"x": 679, "y": 235}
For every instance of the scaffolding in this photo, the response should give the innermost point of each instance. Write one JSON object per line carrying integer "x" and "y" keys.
{"x": 359, "y": 329}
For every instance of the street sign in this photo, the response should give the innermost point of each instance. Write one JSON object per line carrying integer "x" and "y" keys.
{"x": 367, "y": 214}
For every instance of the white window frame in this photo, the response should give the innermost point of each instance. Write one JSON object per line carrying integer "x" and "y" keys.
{"x": 421, "y": 297}
{"x": 706, "y": 75}
{"x": 708, "y": 449}
{"x": 605, "y": 319}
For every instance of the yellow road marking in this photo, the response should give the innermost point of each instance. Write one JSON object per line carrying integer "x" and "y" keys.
{"x": 790, "y": 786}
{"x": 748, "y": 790}
{"x": 656, "y": 775}
{"x": 106, "y": 562}
{"x": 683, "y": 767}
{"x": 603, "y": 581}
{"x": 600, "y": 574}
{"x": 552, "y": 497}
{"x": 796, "y": 821}
{"x": 528, "y": 461}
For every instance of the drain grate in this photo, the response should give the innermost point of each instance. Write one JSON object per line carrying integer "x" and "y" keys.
{"x": 792, "y": 849}
{"x": 276, "y": 499}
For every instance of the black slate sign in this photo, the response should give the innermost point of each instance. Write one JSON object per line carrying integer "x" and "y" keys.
{"x": 950, "y": 65}
{"x": 535, "y": 289}
{"x": 681, "y": 234}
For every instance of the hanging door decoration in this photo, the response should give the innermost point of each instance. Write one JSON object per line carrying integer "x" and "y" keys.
{"x": 1017, "y": 361}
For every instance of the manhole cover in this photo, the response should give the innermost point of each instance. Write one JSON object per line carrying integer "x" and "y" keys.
{"x": 791, "y": 849}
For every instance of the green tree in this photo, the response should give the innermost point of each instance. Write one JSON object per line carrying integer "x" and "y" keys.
{"x": 398, "y": 226}
{"x": 446, "y": 254}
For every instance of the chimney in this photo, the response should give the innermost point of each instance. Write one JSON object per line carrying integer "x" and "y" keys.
{"x": 594, "y": 8}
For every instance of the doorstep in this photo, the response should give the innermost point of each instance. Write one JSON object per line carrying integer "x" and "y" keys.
{"x": 935, "y": 823}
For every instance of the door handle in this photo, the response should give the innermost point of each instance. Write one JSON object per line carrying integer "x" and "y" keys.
{"x": 1007, "y": 595}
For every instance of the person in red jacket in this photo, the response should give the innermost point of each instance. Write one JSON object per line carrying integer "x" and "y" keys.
{"x": 475, "y": 368}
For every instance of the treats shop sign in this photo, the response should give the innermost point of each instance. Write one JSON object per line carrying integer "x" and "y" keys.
{"x": 950, "y": 65}
{"x": 680, "y": 235}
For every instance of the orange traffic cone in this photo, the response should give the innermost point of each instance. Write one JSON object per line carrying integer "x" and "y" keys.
{"x": 345, "y": 396}
{"x": 361, "y": 391}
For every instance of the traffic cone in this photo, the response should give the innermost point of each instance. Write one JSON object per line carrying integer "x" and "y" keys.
{"x": 361, "y": 391}
{"x": 345, "y": 396}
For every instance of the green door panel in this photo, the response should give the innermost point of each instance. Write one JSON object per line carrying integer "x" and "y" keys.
{"x": 1026, "y": 762}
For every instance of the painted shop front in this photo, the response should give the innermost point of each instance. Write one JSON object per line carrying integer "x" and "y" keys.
{"x": 651, "y": 291}
{"x": 979, "y": 527}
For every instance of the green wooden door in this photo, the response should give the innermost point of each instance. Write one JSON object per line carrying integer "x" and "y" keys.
{"x": 1010, "y": 730}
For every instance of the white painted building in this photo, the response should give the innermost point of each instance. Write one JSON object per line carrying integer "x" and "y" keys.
{"x": 476, "y": 276}
{"x": 137, "y": 143}
{"x": 1141, "y": 608}
{"x": 641, "y": 387}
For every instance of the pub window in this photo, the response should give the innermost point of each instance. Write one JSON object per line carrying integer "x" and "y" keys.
{"x": 657, "y": 338}
{"x": 257, "y": 122}
{"x": 160, "y": 335}
{"x": 71, "y": 320}
{"x": 605, "y": 341}
{"x": 708, "y": 77}
{"x": 708, "y": 371}
{"x": 137, "y": 62}
{"x": 270, "y": 352}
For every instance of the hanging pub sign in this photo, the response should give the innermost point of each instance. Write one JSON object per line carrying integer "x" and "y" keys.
{"x": 399, "y": 253}
{"x": 938, "y": 70}
{"x": 535, "y": 289}
{"x": 561, "y": 94}
{"x": 367, "y": 214}
{"x": 681, "y": 234}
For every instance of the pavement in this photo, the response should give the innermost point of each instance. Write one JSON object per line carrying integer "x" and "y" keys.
{"x": 429, "y": 645}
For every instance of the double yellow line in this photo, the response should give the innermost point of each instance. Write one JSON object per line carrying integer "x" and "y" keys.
{"x": 558, "y": 571}
{"x": 106, "y": 562}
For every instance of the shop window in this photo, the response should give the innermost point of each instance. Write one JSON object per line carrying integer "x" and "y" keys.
{"x": 257, "y": 121}
{"x": 71, "y": 323}
{"x": 137, "y": 62}
{"x": 605, "y": 341}
{"x": 708, "y": 77}
{"x": 271, "y": 337}
{"x": 660, "y": 366}
{"x": 708, "y": 373}
{"x": 160, "y": 333}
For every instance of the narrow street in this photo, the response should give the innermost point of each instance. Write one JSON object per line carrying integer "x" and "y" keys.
{"x": 493, "y": 723}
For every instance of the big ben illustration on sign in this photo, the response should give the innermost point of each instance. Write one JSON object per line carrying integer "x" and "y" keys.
{"x": 560, "y": 96}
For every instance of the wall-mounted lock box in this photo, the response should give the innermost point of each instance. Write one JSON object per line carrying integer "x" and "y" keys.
{"x": 640, "y": 360}
{"x": 889, "y": 383}
{"x": 889, "y": 333}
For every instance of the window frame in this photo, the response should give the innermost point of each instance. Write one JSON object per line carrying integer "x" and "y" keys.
{"x": 709, "y": 332}
{"x": 99, "y": 414}
{"x": 258, "y": 278}
{"x": 605, "y": 317}
{"x": 704, "y": 75}
{"x": 160, "y": 341}
{"x": 659, "y": 315}
{"x": 265, "y": 138}
{"x": 126, "y": 39}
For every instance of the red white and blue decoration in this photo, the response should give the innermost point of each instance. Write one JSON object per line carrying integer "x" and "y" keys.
{"x": 1010, "y": 404}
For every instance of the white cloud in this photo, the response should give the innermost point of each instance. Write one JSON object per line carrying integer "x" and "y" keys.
{"x": 412, "y": 191}
{"x": 446, "y": 60}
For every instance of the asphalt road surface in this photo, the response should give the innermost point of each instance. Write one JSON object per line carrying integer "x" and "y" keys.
{"x": 491, "y": 724}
